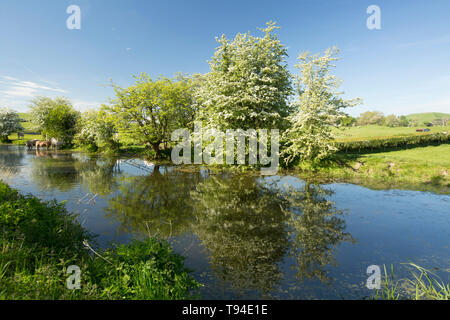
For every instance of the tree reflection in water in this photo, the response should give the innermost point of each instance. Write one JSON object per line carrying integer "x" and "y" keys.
{"x": 54, "y": 171}
{"x": 316, "y": 229}
{"x": 154, "y": 204}
{"x": 240, "y": 223}
{"x": 247, "y": 225}
{"x": 11, "y": 159}
{"x": 65, "y": 171}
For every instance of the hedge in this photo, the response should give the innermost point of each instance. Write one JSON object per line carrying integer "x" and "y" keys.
{"x": 393, "y": 142}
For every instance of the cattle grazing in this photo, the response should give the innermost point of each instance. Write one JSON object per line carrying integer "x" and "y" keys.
{"x": 55, "y": 144}
{"x": 31, "y": 143}
{"x": 42, "y": 144}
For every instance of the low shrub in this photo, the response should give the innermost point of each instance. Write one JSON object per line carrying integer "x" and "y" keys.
{"x": 393, "y": 142}
{"x": 40, "y": 240}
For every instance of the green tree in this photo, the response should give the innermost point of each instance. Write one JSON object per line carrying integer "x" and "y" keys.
{"x": 403, "y": 121}
{"x": 9, "y": 123}
{"x": 347, "y": 121}
{"x": 248, "y": 84}
{"x": 391, "y": 121}
{"x": 317, "y": 109}
{"x": 370, "y": 117}
{"x": 96, "y": 131}
{"x": 148, "y": 111}
{"x": 56, "y": 118}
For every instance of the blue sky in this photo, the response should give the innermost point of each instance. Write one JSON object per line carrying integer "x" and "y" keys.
{"x": 402, "y": 68}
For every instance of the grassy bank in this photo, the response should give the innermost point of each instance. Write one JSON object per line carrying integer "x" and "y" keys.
{"x": 40, "y": 240}
{"x": 421, "y": 168}
{"x": 422, "y": 285}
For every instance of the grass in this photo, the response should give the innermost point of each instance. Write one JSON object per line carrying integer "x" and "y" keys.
{"x": 382, "y": 132}
{"x": 431, "y": 155}
{"x": 420, "y": 168}
{"x": 27, "y": 136}
{"x": 424, "y": 285}
{"x": 40, "y": 240}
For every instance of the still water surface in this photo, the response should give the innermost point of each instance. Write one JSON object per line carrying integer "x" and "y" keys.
{"x": 245, "y": 236}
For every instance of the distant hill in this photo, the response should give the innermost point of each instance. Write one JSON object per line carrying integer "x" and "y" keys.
{"x": 427, "y": 116}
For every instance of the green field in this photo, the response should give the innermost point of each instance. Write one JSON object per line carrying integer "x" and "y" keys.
{"x": 431, "y": 155}
{"x": 421, "y": 168}
{"x": 427, "y": 116}
{"x": 380, "y": 132}
{"x": 26, "y": 122}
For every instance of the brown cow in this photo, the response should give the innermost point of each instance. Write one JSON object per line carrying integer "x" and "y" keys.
{"x": 41, "y": 144}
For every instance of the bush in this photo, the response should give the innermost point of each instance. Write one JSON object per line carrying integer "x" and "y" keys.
{"x": 39, "y": 240}
{"x": 393, "y": 142}
{"x": 9, "y": 123}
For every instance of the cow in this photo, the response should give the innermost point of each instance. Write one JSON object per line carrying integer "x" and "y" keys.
{"x": 41, "y": 144}
{"x": 55, "y": 144}
{"x": 31, "y": 143}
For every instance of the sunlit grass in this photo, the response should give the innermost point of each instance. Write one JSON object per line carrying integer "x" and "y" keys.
{"x": 436, "y": 155}
{"x": 424, "y": 285}
{"x": 14, "y": 139}
{"x": 383, "y": 132}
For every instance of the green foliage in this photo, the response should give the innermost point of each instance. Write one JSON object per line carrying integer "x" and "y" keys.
{"x": 424, "y": 285}
{"x": 56, "y": 118}
{"x": 46, "y": 223}
{"x": 39, "y": 240}
{"x": 393, "y": 142}
{"x": 403, "y": 121}
{"x": 248, "y": 84}
{"x": 347, "y": 121}
{"x": 149, "y": 111}
{"x": 428, "y": 286}
{"x": 392, "y": 121}
{"x": 142, "y": 270}
{"x": 318, "y": 108}
{"x": 9, "y": 123}
{"x": 96, "y": 130}
{"x": 370, "y": 117}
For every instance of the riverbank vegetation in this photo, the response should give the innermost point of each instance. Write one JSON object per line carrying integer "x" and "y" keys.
{"x": 416, "y": 168}
{"x": 422, "y": 285}
{"x": 39, "y": 241}
{"x": 247, "y": 87}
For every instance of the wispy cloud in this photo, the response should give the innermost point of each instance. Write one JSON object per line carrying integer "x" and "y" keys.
{"x": 10, "y": 78}
{"x": 14, "y": 87}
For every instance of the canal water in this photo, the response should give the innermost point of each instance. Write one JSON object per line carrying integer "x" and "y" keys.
{"x": 245, "y": 236}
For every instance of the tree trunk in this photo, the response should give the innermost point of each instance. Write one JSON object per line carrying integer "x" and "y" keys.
{"x": 155, "y": 147}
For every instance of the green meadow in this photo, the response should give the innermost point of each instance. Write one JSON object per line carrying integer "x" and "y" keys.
{"x": 381, "y": 132}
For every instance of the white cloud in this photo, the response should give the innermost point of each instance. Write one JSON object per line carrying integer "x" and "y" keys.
{"x": 10, "y": 78}
{"x": 14, "y": 87}
{"x": 16, "y": 93}
{"x": 34, "y": 85}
